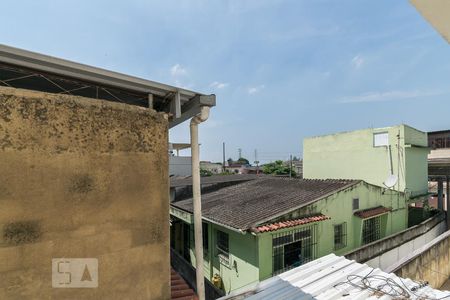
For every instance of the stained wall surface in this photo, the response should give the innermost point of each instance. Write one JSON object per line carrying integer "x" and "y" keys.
{"x": 82, "y": 178}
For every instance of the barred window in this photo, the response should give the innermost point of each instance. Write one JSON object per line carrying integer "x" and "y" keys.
{"x": 371, "y": 230}
{"x": 340, "y": 236}
{"x": 222, "y": 245}
{"x": 293, "y": 248}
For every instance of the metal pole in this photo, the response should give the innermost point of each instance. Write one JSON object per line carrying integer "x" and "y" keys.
{"x": 223, "y": 153}
{"x": 447, "y": 198}
{"x": 290, "y": 166}
{"x": 440, "y": 194}
{"x": 197, "y": 201}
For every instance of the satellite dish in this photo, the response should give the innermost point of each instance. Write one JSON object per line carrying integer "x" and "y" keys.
{"x": 391, "y": 181}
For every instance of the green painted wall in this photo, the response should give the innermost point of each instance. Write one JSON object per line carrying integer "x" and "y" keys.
{"x": 253, "y": 253}
{"x": 243, "y": 260}
{"x": 352, "y": 155}
{"x": 339, "y": 207}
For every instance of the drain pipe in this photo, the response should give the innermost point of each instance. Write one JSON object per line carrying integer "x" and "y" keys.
{"x": 201, "y": 117}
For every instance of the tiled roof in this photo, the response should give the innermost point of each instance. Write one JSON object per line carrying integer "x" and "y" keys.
{"x": 251, "y": 203}
{"x": 372, "y": 212}
{"x": 290, "y": 223}
{"x": 179, "y": 289}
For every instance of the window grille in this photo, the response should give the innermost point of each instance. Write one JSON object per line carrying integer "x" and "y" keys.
{"x": 293, "y": 248}
{"x": 222, "y": 246}
{"x": 340, "y": 236}
{"x": 371, "y": 230}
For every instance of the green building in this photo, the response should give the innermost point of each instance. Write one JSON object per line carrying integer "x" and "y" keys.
{"x": 256, "y": 229}
{"x": 356, "y": 190}
{"x": 372, "y": 155}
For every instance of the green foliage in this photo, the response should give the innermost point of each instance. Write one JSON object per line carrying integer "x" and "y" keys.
{"x": 277, "y": 168}
{"x": 243, "y": 161}
{"x": 205, "y": 173}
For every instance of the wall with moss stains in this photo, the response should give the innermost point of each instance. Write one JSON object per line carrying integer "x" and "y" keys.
{"x": 82, "y": 178}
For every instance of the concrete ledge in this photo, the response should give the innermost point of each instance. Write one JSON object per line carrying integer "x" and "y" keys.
{"x": 415, "y": 254}
{"x": 377, "y": 248}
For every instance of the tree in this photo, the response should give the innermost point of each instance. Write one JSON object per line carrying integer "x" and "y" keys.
{"x": 205, "y": 173}
{"x": 243, "y": 161}
{"x": 277, "y": 168}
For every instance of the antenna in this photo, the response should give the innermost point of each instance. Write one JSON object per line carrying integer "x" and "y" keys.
{"x": 391, "y": 181}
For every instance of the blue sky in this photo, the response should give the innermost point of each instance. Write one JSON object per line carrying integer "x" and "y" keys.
{"x": 281, "y": 70}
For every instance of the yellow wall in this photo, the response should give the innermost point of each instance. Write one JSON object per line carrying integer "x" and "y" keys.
{"x": 89, "y": 178}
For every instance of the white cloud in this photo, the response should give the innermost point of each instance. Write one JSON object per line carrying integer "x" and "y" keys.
{"x": 255, "y": 89}
{"x": 177, "y": 70}
{"x": 218, "y": 85}
{"x": 357, "y": 61}
{"x": 389, "y": 96}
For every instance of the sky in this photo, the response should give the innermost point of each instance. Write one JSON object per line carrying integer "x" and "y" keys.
{"x": 281, "y": 70}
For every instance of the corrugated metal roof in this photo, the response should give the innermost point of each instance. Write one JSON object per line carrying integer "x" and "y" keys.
{"x": 335, "y": 277}
{"x": 290, "y": 223}
{"x": 29, "y": 70}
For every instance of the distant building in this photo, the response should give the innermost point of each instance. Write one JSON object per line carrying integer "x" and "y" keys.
{"x": 260, "y": 228}
{"x": 373, "y": 155}
{"x": 297, "y": 166}
{"x": 234, "y": 168}
{"x": 439, "y": 168}
{"x": 179, "y": 165}
{"x": 215, "y": 168}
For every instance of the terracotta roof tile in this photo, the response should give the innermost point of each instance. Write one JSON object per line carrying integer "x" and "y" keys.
{"x": 372, "y": 212}
{"x": 289, "y": 223}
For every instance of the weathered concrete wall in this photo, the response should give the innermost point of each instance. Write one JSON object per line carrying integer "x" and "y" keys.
{"x": 82, "y": 178}
{"x": 429, "y": 263}
{"x": 352, "y": 155}
{"x": 385, "y": 252}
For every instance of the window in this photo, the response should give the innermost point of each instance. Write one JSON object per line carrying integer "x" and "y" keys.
{"x": 371, "y": 230}
{"x": 293, "y": 248}
{"x": 222, "y": 246}
{"x": 340, "y": 236}
{"x": 355, "y": 204}
{"x": 205, "y": 238}
{"x": 380, "y": 139}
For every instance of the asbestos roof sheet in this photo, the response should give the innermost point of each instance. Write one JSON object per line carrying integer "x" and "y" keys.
{"x": 290, "y": 223}
{"x": 372, "y": 212}
{"x": 335, "y": 277}
{"x": 252, "y": 203}
{"x": 187, "y": 181}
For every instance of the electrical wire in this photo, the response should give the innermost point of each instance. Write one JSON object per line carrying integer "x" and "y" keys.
{"x": 380, "y": 284}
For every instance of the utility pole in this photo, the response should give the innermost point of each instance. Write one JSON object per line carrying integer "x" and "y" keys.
{"x": 290, "y": 166}
{"x": 240, "y": 152}
{"x": 256, "y": 162}
{"x": 223, "y": 153}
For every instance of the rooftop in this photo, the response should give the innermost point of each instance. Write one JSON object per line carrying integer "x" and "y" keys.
{"x": 246, "y": 205}
{"x": 213, "y": 179}
{"x": 335, "y": 277}
{"x": 34, "y": 71}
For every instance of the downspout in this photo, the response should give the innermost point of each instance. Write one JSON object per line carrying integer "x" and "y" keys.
{"x": 201, "y": 117}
